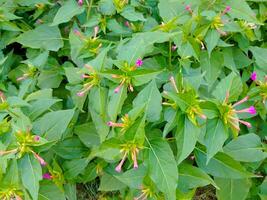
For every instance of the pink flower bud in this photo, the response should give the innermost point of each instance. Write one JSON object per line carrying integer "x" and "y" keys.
{"x": 127, "y": 24}
{"x": 117, "y": 89}
{"x": 36, "y": 138}
{"x": 47, "y": 176}
{"x": 80, "y": 94}
{"x": 110, "y": 123}
{"x": 139, "y": 62}
{"x": 253, "y": 76}
{"x": 80, "y": 2}
{"x": 174, "y": 47}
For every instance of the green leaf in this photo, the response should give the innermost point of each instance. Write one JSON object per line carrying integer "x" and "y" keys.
{"x": 31, "y": 174}
{"x": 246, "y": 148}
{"x": 260, "y": 56}
{"x": 150, "y": 96}
{"x": 186, "y": 137}
{"x": 106, "y": 7}
{"x": 87, "y": 134}
{"x": 53, "y": 124}
{"x": 42, "y": 37}
{"x": 49, "y": 191}
{"x": 130, "y": 14}
{"x": 11, "y": 178}
{"x": 232, "y": 189}
{"x": 169, "y": 9}
{"x": 74, "y": 167}
{"x": 221, "y": 165}
{"x": 133, "y": 177}
{"x": 232, "y": 84}
{"x": 49, "y": 79}
{"x": 69, "y": 9}
{"x": 162, "y": 166}
{"x": 116, "y": 101}
{"x": 71, "y": 148}
{"x": 212, "y": 39}
{"x": 110, "y": 183}
{"x": 215, "y": 137}
{"x": 211, "y": 66}
{"x": 98, "y": 111}
{"x": 191, "y": 177}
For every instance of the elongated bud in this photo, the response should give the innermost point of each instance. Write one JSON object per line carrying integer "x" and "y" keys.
{"x": 119, "y": 166}
{"x": 36, "y": 138}
{"x": 174, "y": 84}
{"x": 241, "y": 101}
{"x": 39, "y": 158}
{"x": 80, "y": 2}
{"x": 96, "y": 29}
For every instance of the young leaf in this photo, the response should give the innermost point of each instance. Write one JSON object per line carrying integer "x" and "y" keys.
{"x": 31, "y": 174}
{"x": 150, "y": 96}
{"x": 42, "y": 37}
{"x": 215, "y": 137}
{"x": 162, "y": 166}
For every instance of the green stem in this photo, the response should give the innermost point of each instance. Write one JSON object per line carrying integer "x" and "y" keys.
{"x": 89, "y": 8}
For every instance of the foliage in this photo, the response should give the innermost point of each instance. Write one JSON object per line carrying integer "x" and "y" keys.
{"x": 151, "y": 99}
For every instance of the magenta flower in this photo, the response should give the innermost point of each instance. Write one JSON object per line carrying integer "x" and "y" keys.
{"x": 188, "y": 8}
{"x": 39, "y": 158}
{"x": 253, "y": 76}
{"x": 80, "y": 2}
{"x": 139, "y": 62}
{"x": 47, "y": 176}
{"x": 251, "y": 110}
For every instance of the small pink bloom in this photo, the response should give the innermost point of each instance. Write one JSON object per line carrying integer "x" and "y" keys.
{"x": 247, "y": 124}
{"x": 226, "y": 10}
{"x": 188, "y": 7}
{"x": 80, "y": 2}
{"x": 77, "y": 32}
{"x": 174, "y": 47}
{"x": 253, "y": 76}
{"x": 47, "y": 176}
{"x": 117, "y": 89}
{"x": 40, "y": 159}
{"x": 36, "y": 138}
{"x": 252, "y": 110}
{"x": 96, "y": 29}
{"x": 127, "y": 24}
{"x": 80, "y": 94}
{"x": 139, "y": 62}
{"x": 110, "y": 123}
{"x": 119, "y": 166}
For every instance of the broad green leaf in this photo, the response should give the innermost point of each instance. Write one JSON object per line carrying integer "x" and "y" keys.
{"x": 246, "y": 148}
{"x": 169, "y": 9}
{"x": 260, "y": 55}
{"x": 211, "y": 66}
{"x": 162, "y": 166}
{"x": 191, "y": 177}
{"x": 71, "y": 148}
{"x": 232, "y": 189}
{"x": 143, "y": 76}
{"x": 116, "y": 101}
{"x": 221, "y": 165}
{"x": 186, "y": 137}
{"x": 87, "y": 134}
{"x": 130, "y": 14}
{"x": 106, "y": 7}
{"x": 69, "y": 9}
{"x": 49, "y": 79}
{"x": 232, "y": 84}
{"x": 98, "y": 110}
{"x": 53, "y": 124}
{"x": 212, "y": 39}
{"x": 49, "y": 191}
{"x": 74, "y": 167}
{"x": 110, "y": 183}
{"x": 133, "y": 177}
{"x": 42, "y": 37}
{"x": 31, "y": 174}
{"x": 215, "y": 137}
{"x": 11, "y": 178}
{"x": 150, "y": 96}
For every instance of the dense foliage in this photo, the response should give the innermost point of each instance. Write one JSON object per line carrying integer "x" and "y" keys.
{"x": 147, "y": 99}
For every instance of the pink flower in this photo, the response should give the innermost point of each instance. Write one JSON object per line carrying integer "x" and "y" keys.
{"x": 36, "y": 138}
{"x": 80, "y": 2}
{"x": 139, "y": 62}
{"x": 226, "y": 10}
{"x": 174, "y": 47}
{"x": 39, "y": 158}
{"x": 119, "y": 166}
{"x": 112, "y": 124}
{"x": 188, "y": 7}
{"x": 253, "y": 76}
{"x": 80, "y": 94}
{"x": 47, "y": 176}
{"x": 127, "y": 24}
